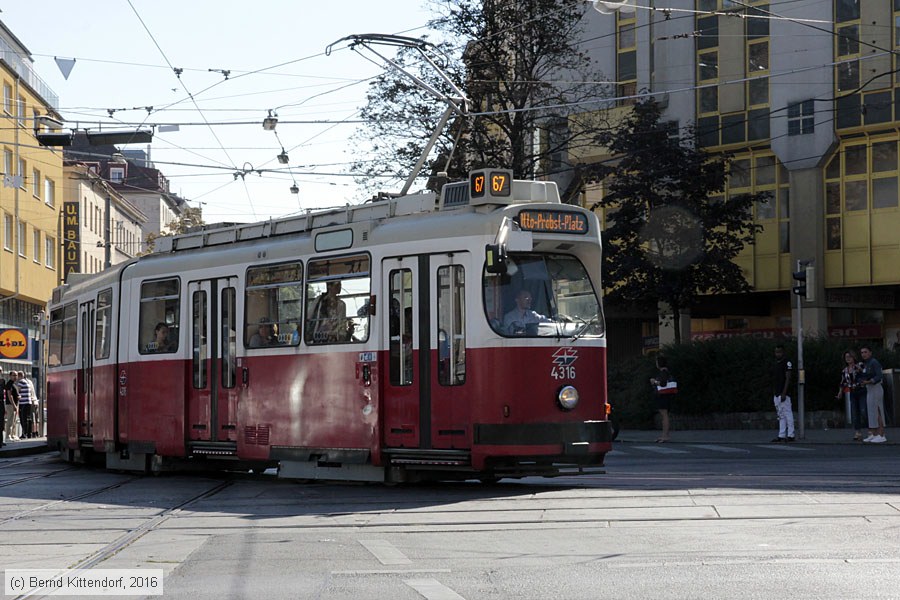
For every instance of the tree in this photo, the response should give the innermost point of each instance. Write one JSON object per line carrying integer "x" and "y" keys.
{"x": 670, "y": 236}
{"x": 525, "y": 77}
{"x": 190, "y": 217}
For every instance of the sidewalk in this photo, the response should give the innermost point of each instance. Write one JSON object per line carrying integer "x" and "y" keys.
{"x": 24, "y": 447}
{"x": 752, "y": 436}
{"x": 626, "y": 436}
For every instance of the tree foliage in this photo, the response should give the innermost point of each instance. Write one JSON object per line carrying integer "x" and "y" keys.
{"x": 526, "y": 79}
{"x": 670, "y": 235}
{"x": 189, "y": 217}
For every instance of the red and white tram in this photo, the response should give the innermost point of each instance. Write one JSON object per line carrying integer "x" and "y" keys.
{"x": 389, "y": 341}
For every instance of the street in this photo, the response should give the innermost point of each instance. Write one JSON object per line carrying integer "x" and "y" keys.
{"x": 666, "y": 521}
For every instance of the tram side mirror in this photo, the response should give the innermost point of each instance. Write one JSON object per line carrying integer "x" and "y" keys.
{"x": 495, "y": 258}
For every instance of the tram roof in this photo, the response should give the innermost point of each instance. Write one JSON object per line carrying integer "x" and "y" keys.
{"x": 454, "y": 196}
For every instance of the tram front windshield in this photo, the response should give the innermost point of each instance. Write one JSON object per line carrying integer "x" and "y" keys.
{"x": 542, "y": 295}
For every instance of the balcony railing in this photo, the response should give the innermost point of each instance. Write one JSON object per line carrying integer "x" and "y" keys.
{"x": 27, "y": 74}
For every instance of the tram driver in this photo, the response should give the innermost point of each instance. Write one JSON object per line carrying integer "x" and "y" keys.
{"x": 522, "y": 320}
{"x": 328, "y": 319}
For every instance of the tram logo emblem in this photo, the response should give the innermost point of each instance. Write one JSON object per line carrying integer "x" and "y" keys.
{"x": 565, "y": 357}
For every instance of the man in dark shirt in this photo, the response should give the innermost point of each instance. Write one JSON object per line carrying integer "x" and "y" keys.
{"x": 5, "y": 407}
{"x": 781, "y": 381}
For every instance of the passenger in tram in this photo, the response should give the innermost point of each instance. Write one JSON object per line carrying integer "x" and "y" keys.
{"x": 161, "y": 340}
{"x": 264, "y": 336}
{"x": 522, "y": 320}
{"x": 329, "y": 316}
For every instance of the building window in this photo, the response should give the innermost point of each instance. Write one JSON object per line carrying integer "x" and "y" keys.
{"x": 848, "y": 40}
{"x": 846, "y": 10}
{"x": 20, "y": 113}
{"x": 49, "y": 192}
{"x": 50, "y": 252}
{"x": 7, "y": 98}
{"x": 7, "y": 231}
{"x": 626, "y": 58}
{"x": 22, "y": 238}
{"x": 117, "y": 174}
{"x": 22, "y": 170}
{"x": 36, "y": 245}
{"x": 36, "y": 183}
{"x": 801, "y": 118}
{"x": 7, "y": 162}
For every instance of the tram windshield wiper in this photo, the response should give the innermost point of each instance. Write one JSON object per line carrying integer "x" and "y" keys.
{"x": 585, "y": 326}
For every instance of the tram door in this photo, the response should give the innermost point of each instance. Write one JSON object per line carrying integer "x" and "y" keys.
{"x": 84, "y": 385}
{"x": 400, "y": 375}
{"x": 450, "y": 413}
{"x": 212, "y": 392}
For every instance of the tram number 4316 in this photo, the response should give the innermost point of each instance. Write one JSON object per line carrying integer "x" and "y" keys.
{"x": 562, "y": 372}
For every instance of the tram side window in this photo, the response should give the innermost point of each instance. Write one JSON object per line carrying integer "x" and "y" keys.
{"x": 63, "y": 328}
{"x": 451, "y": 319}
{"x": 273, "y": 305}
{"x": 103, "y": 334}
{"x": 401, "y": 330}
{"x": 70, "y": 333}
{"x": 338, "y": 292}
{"x": 159, "y": 316}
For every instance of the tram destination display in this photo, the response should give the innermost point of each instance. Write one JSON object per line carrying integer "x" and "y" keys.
{"x": 552, "y": 221}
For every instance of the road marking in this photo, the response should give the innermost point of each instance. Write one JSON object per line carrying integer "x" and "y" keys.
{"x": 432, "y": 589}
{"x": 716, "y": 448}
{"x": 385, "y": 552}
{"x": 616, "y": 453}
{"x": 786, "y": 446}
{"x": 389, "y": 571}
{"x": 662, "y": 449}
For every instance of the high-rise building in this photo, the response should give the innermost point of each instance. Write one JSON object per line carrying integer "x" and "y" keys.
{"x": 806, "y": 96}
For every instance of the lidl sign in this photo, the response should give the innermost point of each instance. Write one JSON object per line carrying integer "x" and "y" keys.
{"x": 13, "y": 343}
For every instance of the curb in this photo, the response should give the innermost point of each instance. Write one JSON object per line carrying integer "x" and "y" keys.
{"x": 15, "y": 449}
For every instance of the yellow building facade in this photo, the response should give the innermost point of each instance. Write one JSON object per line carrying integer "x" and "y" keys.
{"x": 30, "y": 197}
{"x": 810, "y": 113}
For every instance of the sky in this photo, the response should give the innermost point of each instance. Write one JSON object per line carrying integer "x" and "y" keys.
{"x": 126, "y": 56}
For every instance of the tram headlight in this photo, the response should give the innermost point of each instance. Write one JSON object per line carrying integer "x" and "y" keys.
{"x": 567, "y": 397}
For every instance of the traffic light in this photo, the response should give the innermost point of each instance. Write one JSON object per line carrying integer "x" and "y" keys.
{"x": 806, "y": 283}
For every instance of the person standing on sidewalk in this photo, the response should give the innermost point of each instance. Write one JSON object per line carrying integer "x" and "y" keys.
{"x": 3, "y": 403}
{"x": 781, "y": 381}
{"x": 871, "y": 376}
{"x": 851, "y": 385}
{"x": 666, "y": 390}
{"x": 12, "y": 416}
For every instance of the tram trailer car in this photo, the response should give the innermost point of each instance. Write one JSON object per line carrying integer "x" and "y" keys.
{"x": 390, "y": 341}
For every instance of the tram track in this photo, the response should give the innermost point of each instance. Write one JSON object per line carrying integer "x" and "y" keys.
{"x": 132, "y": 535}
{"x": 74, "y": 498}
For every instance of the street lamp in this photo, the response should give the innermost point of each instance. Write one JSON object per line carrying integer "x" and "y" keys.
{"x": 270, "y": 122}
{"x": 283, "y": 157}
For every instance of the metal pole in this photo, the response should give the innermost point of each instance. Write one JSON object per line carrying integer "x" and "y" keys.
{"x": 801, "y": 375}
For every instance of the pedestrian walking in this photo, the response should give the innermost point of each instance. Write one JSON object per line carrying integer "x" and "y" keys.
{"x": 852, "y": 389}
{"x": 666, "y": 391}
{"x": 781, "y": 381}
{"x": 871, "y": 376}
{"x": 26, "y": 405}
